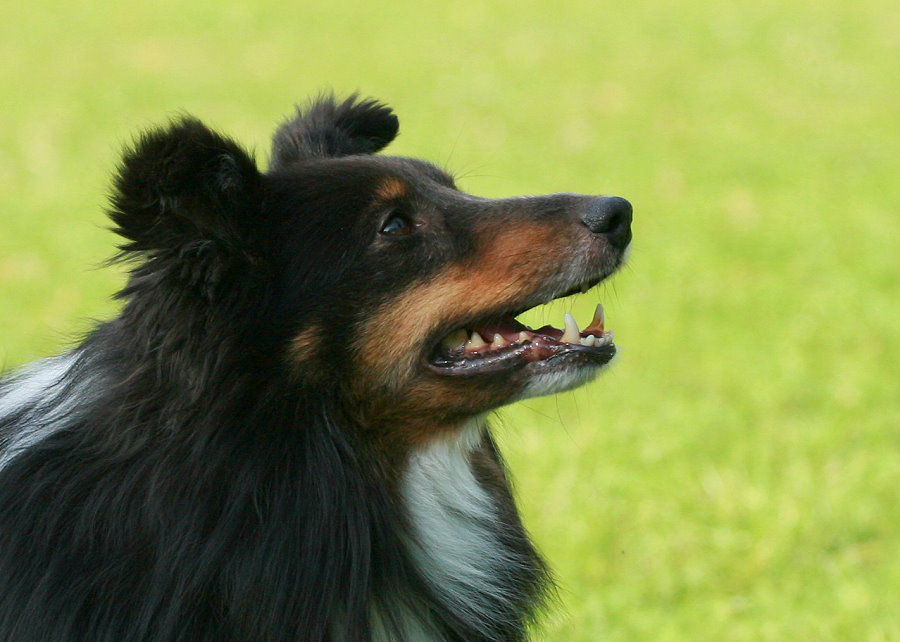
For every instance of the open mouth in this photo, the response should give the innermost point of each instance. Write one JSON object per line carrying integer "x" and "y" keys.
{"x": 504, "y": 343}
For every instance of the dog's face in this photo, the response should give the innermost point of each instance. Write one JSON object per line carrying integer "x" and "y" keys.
{"x": 387, "y": 282}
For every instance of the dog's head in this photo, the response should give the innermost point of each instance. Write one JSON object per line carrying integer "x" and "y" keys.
{"x": 373, "y": 276}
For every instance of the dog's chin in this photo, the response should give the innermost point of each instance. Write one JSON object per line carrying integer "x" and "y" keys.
{"x": 558, "y": 374}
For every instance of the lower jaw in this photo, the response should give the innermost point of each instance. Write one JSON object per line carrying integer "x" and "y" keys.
{"x": 532, "y": 358}
{"x": 553, "y": 380}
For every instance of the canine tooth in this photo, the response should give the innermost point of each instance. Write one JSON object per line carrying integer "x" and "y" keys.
{"x": 598, "y": 320}
{"x": 572, "y": 334}
{"x": 456, "y": 339}
{"x": 523, "y": 337}
{"x": 499, "y": 341}
{"x": 475, "y": 342}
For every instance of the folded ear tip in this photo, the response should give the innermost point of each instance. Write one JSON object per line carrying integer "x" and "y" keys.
{"x": 329, "y": 128}
{"x": 375, "y": 121}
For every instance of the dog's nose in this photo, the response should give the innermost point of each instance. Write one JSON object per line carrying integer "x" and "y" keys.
{"x": 610, "y": 216}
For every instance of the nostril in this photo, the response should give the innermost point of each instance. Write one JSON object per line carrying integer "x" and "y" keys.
{"x": 610, "y": 216}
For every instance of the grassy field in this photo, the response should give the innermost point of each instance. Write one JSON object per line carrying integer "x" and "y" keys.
{"x": 736, "y": 475}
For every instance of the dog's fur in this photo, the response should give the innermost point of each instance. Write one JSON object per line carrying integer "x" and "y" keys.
{"x": 266, "y": 444}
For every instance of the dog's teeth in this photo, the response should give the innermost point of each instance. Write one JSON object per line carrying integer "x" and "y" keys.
{"x": 588, "y": 340}
{"x": 598, "y": 320}
{"x": 572, "y": 334}
{"x": 523, "y": 337}
{"x": 499, "y": 341}
{"x": 455, "y": 340}
{"x": 475, "y": 342}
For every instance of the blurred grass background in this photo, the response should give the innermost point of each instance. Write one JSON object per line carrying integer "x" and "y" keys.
{"x": 736, "y": 475}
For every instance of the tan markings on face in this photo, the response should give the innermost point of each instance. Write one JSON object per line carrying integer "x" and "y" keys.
{"x": 303, "y": 350}
{"x": 510, "y": 263}
{"x": 391, "y": 189}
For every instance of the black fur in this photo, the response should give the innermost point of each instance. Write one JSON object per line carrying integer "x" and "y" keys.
{"x": 330, "y": 129}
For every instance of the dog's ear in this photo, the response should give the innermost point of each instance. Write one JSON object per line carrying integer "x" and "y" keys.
{"x": 184, "y": 184}
{"x": 326, "y": 128}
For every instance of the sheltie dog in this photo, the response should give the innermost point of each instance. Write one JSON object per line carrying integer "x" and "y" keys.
{"x": 282, "y": 435}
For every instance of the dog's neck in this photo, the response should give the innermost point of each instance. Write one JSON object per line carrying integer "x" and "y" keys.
{"x": 458, "y": 539}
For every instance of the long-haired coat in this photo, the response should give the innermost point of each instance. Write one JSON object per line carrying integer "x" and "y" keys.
{"x": 282, "y": 435}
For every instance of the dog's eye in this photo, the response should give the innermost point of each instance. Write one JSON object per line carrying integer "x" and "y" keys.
{"x": 397, "y": 223}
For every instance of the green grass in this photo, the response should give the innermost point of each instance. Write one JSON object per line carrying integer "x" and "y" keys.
{"x": 736, "y": 475}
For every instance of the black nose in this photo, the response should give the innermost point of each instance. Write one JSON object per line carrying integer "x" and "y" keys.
{"x": 610, "y": 216}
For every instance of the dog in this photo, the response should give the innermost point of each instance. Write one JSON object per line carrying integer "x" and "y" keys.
{"x": 282, "y": 435}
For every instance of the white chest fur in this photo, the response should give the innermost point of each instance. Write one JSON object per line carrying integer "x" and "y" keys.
{"x": 455, "y": 528}
{"x": 37, "y": 394}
